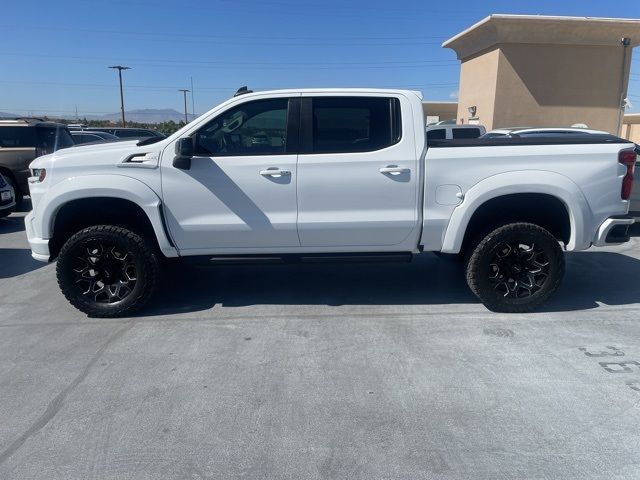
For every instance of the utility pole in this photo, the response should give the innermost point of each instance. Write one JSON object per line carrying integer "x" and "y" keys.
{"x": 184, "y": 92}
{"x": 193, "y": 101}
{"x": 120, "y": 68}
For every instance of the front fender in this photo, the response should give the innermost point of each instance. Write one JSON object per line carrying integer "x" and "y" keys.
{"x": 529, "y": 181}
{"x": 92, "y": 186}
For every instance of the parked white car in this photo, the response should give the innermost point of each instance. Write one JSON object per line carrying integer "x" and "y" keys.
{"x": 539, "y": 131}
{"x": 336, "y": 174}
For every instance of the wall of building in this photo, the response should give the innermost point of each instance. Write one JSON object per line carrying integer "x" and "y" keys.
{"x": 478, "y": 80}
{"x": 440, "y": 110}
{"x": 535, "y": 70}
{"x": 631, "y": 128}
{"x": 557, "y": 85}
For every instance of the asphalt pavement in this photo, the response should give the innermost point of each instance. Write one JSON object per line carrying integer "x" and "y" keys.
{"x": 376, "y": 371}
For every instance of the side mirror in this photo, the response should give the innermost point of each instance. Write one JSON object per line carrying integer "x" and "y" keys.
{"x": 184, "y": 153}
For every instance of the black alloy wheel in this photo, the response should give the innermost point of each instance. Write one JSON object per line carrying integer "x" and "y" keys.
{"x": 107, "y": 271}
{"x": 518, "y": 270}
{"x": 104, "y": 272}
{"x": 515, "y": 268}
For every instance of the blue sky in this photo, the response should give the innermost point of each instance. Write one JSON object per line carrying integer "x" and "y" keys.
{"x": 55, "y": 53}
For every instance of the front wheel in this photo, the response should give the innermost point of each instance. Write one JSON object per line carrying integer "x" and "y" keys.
{"x": 515, "y": 268}
{"x": 107, "y": 271}
{"x": 17, "y": 193}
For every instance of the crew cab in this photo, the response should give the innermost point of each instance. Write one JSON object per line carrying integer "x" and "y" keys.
{"x": 325, "y": 174}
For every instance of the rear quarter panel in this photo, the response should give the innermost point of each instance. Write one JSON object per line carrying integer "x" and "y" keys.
{"x": 587, "y": 178}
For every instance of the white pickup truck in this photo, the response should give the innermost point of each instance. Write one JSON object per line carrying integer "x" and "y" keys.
{"x": 325, "y": 174}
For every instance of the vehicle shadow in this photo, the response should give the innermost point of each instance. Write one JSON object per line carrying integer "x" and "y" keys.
{"x": 17, "y": 261}
{"x": 428, "y": 280}
{"x": 597, "y": 277}
{"x": 11, "y": 224}
{"x": 25, "y": 206}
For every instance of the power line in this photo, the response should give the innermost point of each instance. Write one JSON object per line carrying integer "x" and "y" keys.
{"x": 363, "y": 12}
{"x": 298, "y": 39}
{"x": 170, "y": 87}
{"x": 248, "y": 66}
{"x": 225, "y": 64}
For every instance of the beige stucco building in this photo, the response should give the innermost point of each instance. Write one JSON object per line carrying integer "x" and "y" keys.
{"x": 631, "y": 127}
{"x": 521, "y": 70}
{"x": 438, "y": 111}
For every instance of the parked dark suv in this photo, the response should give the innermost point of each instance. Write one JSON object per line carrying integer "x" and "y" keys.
{"x": 22, "y": 140}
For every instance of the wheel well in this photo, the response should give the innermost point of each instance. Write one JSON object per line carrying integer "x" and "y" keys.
{"x": 8, "y": 174}
{"x": 541, "y": 209}
{"x": 78, "y": 214}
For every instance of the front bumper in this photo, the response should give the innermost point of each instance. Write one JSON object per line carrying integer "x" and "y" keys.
{"x": 39, "y": 246}
{"x": 614, "y": 231}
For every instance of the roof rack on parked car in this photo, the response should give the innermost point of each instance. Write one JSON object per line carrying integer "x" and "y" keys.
{"x": 35, "y": 119}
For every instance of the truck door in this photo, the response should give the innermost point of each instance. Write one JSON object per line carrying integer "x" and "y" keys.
{"x": 357, "y": 171}
{"x": 240, "y": 189}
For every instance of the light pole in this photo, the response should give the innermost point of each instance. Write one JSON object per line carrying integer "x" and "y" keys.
{"x": 184, "y": 92}
{"x": 120, "y": 68}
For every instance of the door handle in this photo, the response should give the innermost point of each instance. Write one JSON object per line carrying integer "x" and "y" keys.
{"x": 275, "y": 172}
{"x": 393, "y": 170}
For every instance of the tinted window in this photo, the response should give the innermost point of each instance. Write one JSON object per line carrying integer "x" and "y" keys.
{"x": 354, "y": 124}
{"x": 86, "y": 138}
{"x": 17, "y": 137}
{"x": 54, "y": 138}
{"x": 253, "y": 128}
{"x": 466, "y": 132}
{"x": 133, "y": 133}
{"x": 437, "y": 134}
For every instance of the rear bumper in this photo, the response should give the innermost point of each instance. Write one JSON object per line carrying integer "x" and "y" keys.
{"x": 613, "y": 231}
{"x": 39, "y": 246}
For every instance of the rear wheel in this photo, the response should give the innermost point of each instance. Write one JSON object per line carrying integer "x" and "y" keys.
{"x": 107, "y": 271}
{"x": 515, "y": 268}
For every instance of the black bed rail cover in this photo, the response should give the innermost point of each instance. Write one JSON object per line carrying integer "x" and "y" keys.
{"x": 579, "y": 139}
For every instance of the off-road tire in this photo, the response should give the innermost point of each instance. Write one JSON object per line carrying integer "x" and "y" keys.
{"x": 142, "y": 264}
{"x": 535, "y": 260}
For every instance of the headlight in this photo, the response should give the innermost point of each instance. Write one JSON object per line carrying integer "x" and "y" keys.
{"x": 37, "y": 175}
{"x": 3, "y": 182}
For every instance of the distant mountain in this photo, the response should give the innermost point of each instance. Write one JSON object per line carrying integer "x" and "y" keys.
{"x": 13, "y": 115}
{"x": 145, "y": 115}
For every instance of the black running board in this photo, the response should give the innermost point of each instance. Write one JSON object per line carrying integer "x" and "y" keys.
{"x": 386, "y": 257}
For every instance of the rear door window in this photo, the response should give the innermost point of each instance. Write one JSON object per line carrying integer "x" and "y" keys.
{"x": 354, "y": 124}
{"x": 17, "y": 137}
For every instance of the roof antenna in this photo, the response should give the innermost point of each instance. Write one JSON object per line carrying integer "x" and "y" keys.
{"x": 242, "y": 91}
